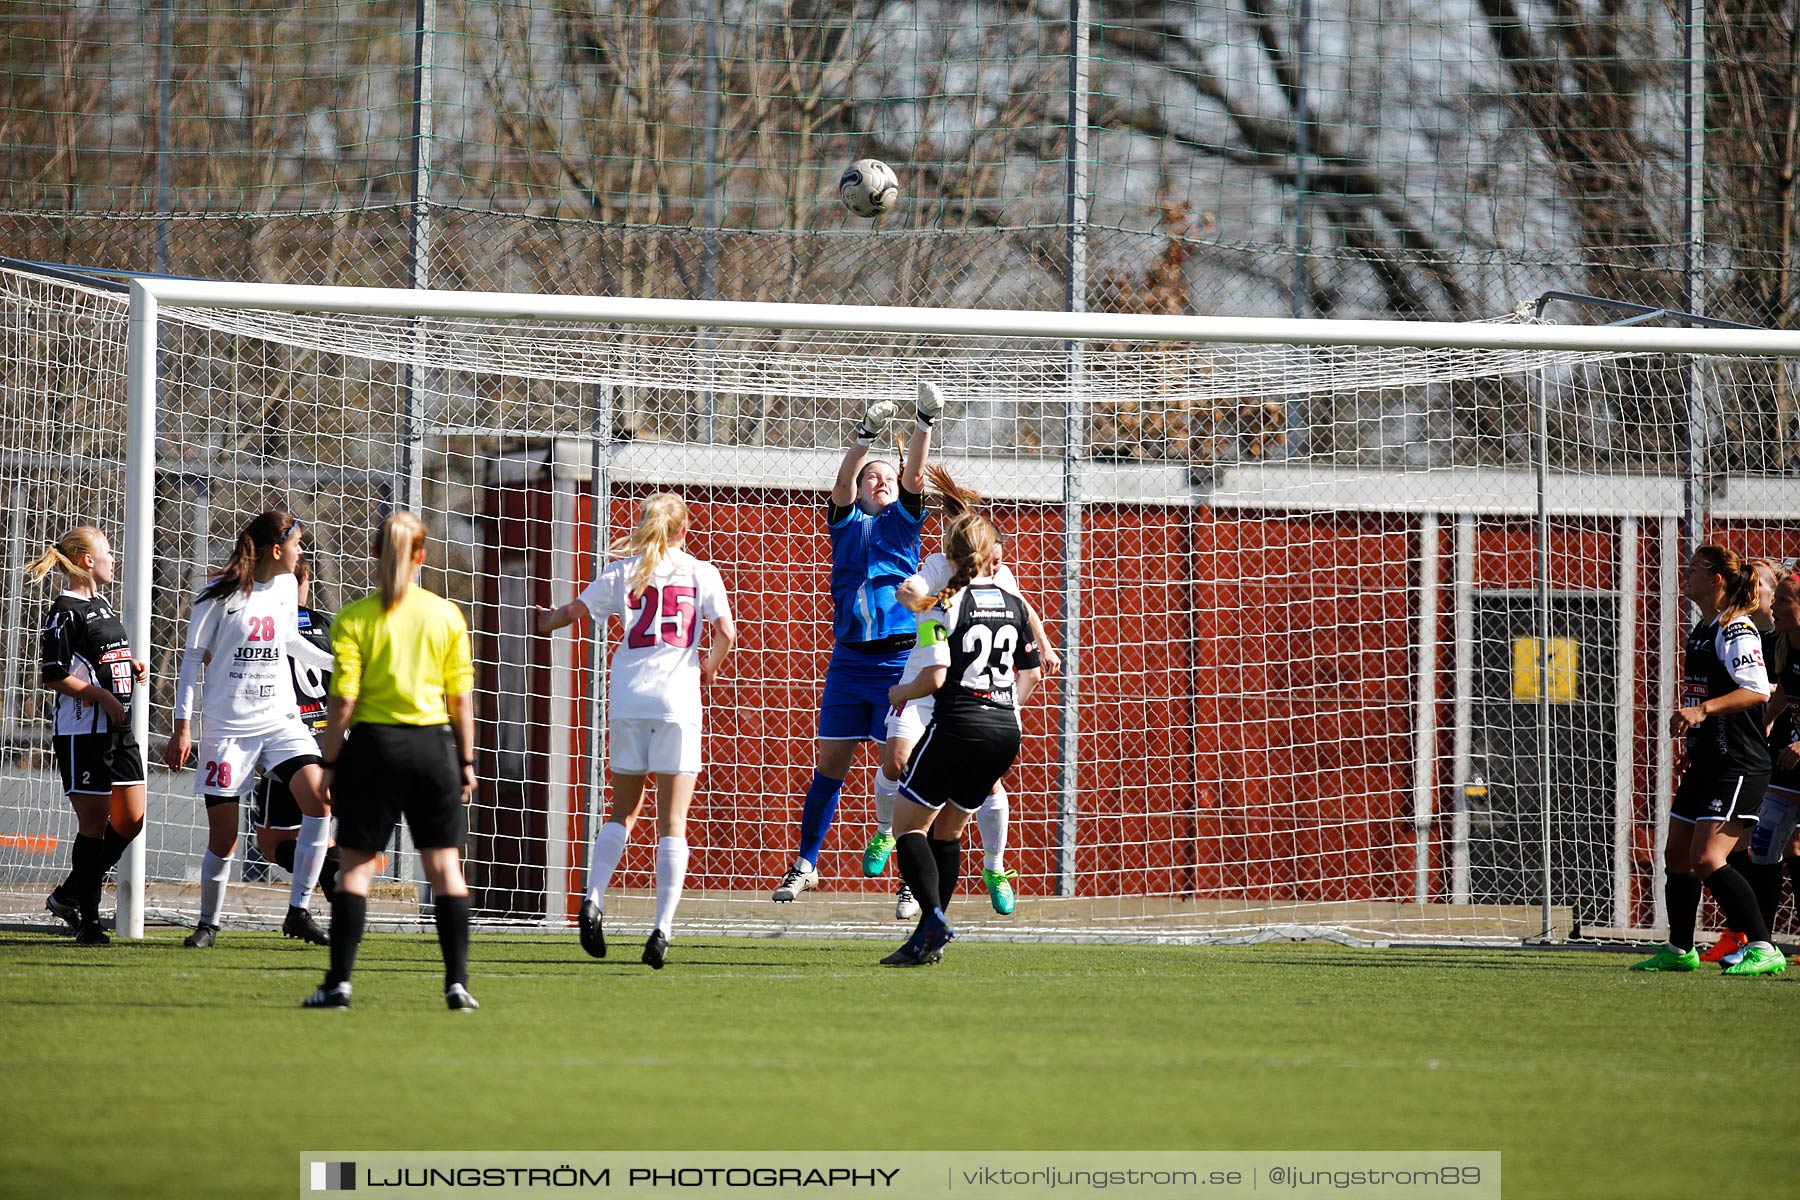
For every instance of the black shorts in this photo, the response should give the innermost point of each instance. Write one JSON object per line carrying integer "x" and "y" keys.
{"x": 385, "y": 772}
{"x": 93, "y": 764}
{"x": 959, "y": 765}
{"x": 272, "y": 804}
{"x": 1708, "y": 795}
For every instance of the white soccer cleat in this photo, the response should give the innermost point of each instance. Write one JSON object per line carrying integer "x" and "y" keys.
{"x": 906, "y": 907}
{"x": 793, "y": 883}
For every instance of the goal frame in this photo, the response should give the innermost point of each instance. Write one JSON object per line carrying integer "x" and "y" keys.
{"x": 148, "y": 296}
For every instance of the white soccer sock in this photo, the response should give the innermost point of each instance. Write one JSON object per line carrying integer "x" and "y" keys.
{"x": 671, "y": 873}
{"x": 214, "y": 871}
{"x": 991, "y": 818}
{"x": 887, "y": 791}
{"x": 309, "y": 859}
{"x": 803, "y": 865}
{"x": 609, "y": 847}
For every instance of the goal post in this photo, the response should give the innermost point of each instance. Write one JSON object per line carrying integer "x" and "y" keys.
{"x": 1397, "y": 679}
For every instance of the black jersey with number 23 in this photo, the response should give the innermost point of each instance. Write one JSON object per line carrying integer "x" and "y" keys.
{"x": 989, "y": 642}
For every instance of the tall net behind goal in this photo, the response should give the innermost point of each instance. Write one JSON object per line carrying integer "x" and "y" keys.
{"x": 1363, "y": 643}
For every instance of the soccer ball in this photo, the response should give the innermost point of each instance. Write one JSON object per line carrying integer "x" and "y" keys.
{"x": 868, "y": 187}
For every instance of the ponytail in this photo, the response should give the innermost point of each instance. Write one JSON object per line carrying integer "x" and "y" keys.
{"x": 955, "y": 499}
{"x": 268, "y": 530}
{"x": 1739, "y": 579}
{"x": 660, "y": 523}
{"x": 64, "y": 556}
{"x": 400, "y": 537}
{"x": 968, "y": 544}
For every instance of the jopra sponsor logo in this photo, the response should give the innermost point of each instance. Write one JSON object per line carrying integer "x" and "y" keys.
{"x": 258, "y": 654}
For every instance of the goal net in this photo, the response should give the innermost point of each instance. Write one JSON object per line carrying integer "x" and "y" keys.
{"x": 1361, "y": 641}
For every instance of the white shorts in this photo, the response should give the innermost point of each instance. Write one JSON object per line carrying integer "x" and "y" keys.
{"x": 646, "y": 747}
{"x": 910, "y": 722}
{"x": 227, "y": 765}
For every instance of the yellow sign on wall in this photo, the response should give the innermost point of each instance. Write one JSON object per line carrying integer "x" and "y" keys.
{"x": 1563, "y": 669}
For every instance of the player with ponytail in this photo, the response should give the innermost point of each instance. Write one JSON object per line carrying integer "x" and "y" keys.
{"x": 399, "y": 741}
{"x": 87, "y": 662}
{"x": 983, "y": 667}
{"x": 243, "y": 635}
{"x": 1724, "y": 685}
{"x": 906, "y": 723}
{"x": 664, "y": 596}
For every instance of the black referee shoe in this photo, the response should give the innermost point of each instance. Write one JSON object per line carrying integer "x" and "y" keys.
{"x": 655, "y": 949}
{"x": 328, "y": 997}
{"x": 202, "y": 938}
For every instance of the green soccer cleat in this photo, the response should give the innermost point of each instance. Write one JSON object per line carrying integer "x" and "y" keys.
{"x": 875, "y": 854}
{"x": 1670, "y": 960}
{"x": 1758, "y": 960}
{"x": 1000, "y": 890}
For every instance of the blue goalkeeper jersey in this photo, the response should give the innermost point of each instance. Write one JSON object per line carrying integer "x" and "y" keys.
{"x": 870, "y": 557}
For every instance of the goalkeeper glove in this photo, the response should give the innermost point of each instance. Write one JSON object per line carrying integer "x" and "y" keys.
{"x": 931, "y": 405}
{"x": 875, "y": 421}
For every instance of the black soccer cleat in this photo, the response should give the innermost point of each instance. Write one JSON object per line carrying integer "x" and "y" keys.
{"x": 300, "y": 924}
{"x": 656, "y": 949}
{"x": 457, "y": 999}
{"x": 69, "y": 914}
{"x": 328, "y": 997}
{"x": 91, "y": 934}
{"x": 202, "y": 938}
{"x": 593, "y": 937}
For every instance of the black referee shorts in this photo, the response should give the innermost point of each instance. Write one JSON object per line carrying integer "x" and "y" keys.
{"x": 959, "y": 765}
{"x": 385, "y": 772}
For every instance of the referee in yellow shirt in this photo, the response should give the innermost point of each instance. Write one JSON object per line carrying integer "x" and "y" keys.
{"x": 400, "y": 685}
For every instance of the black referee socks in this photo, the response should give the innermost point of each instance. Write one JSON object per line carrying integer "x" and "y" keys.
{"x": 453, "y": 937}
{"x": 349, "y": 914}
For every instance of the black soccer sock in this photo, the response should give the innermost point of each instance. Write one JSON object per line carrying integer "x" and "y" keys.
{"x": 85, "y": 872}
{"x": 328, "y": 874}
{"x": 349, "y": 913}
{"x": 1765, "y": 882}
{"x": 453, "y": 937}
{"x": 918, "y": 867}
{"x": 1793, "y": 874}
{"x": 1738, "y": 901}
{"x": 284, "y": 857}
{"x": 947, "y": 853}
{"x": 115, "y": 844}
{"x": 1682, "y": 894}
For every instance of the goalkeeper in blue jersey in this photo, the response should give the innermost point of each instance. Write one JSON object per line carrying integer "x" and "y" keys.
{"x": 874, "y": 517}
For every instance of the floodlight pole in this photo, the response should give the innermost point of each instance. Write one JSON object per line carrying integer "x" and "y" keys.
{"x": 140, "y": 553}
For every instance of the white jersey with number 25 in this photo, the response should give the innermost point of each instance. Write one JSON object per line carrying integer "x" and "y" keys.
{"x": 656, "y": 668}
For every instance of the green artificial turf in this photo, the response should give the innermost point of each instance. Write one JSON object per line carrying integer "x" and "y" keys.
{"x": 147, "y": 1069}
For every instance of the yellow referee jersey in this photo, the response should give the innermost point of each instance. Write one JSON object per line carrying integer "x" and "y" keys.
{"x": 398, "y": 666}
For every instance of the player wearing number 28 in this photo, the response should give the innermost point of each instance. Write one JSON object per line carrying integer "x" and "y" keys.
{"x": 243, "y": 631}
{"x": 664, "y": 597}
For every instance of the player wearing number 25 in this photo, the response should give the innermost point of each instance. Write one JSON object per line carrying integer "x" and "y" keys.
{"x": 664, "y": 596}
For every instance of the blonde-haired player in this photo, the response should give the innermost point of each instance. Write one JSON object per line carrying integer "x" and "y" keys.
{"x": 87, "y": 662}
{"x": 664, "y": 595}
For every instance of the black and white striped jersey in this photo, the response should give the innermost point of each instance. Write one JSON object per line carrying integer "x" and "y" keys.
{"x": 988, "y": 643}
{"x": 84, "y": 639}
{"x": 1721, "y": 658}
